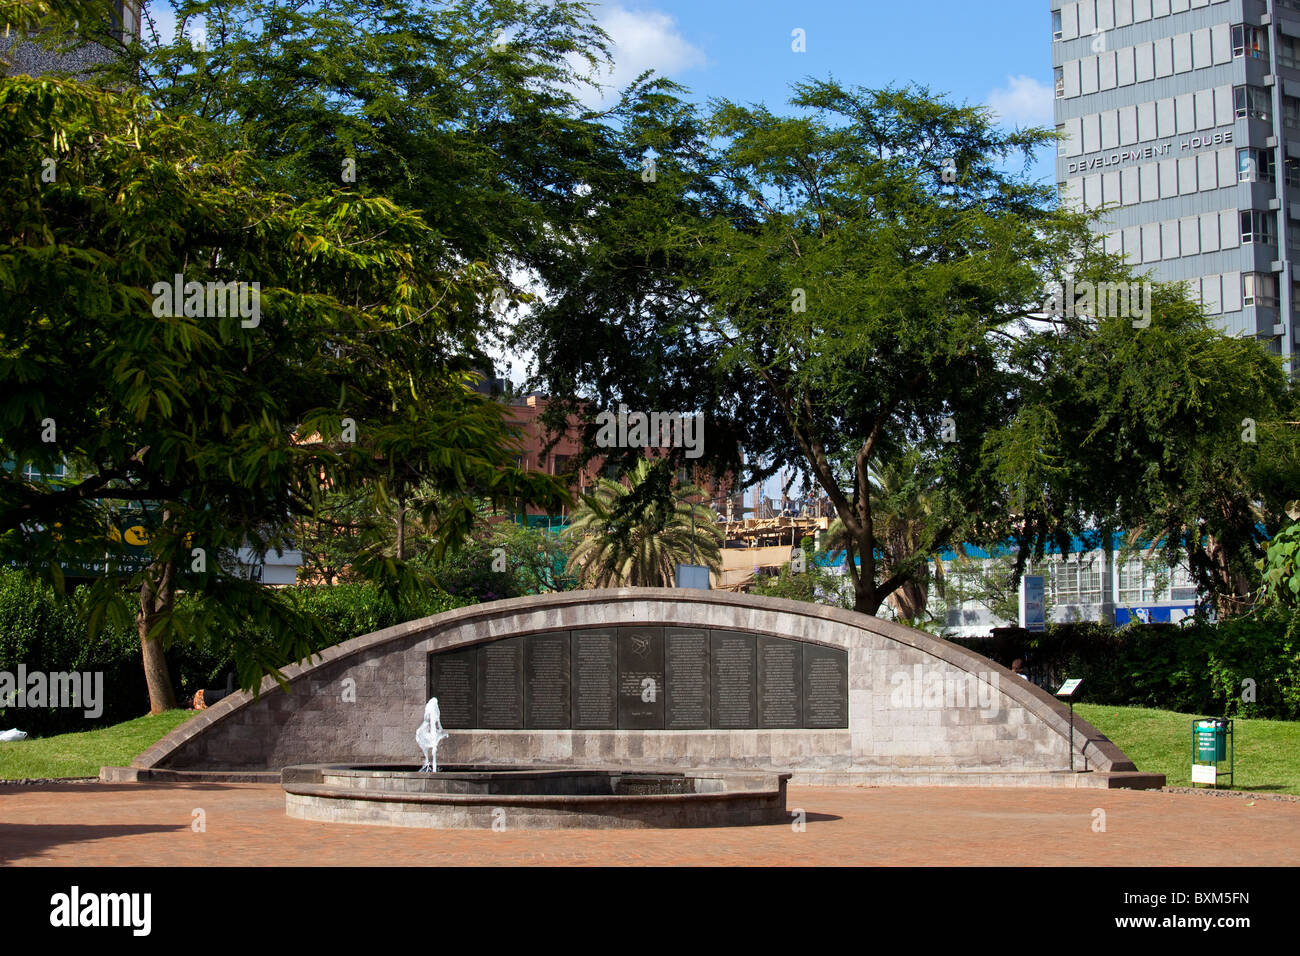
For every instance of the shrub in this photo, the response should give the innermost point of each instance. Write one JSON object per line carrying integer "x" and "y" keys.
{"x": 1196, "y": 669}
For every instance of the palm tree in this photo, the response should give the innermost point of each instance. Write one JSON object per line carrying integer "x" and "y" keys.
{"x": 635, "y": 534}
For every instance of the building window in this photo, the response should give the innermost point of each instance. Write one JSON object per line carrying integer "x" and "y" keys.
{"x": 1258, "y": 226}
{"x": 1134, "y": 585}
{"x": 1258, "y": 288}
{"x": 1181, "y": 585}
{"x": 1060, "y": 81}
{"x": 1253, "y": 102}
{"x": 59, "y": 472}
{"x": 1288, "y": 52}
{"x": 1255, "y": 166}
{"x": 1291, "y": 111}
{"x": 1250, "y": 42}
{"x": 1076, "y": 581}
{"x": 1061, "y": 141}
{"x": 1056, "y": 24}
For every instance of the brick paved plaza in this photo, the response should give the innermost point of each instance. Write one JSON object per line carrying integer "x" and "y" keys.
{"x": 150, "y": 824}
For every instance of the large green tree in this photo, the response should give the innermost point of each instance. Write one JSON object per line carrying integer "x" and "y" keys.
{"x": 1162, "y": 430}
{"x": 848, "y": 279}
{"x": 867, "y": 278}
{"x": 469, "y": 110}
{"x": 350, "y": 372}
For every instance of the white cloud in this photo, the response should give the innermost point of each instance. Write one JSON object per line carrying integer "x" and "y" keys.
{"x": 642, "y": 40}
{"x": 1024, "y": 101}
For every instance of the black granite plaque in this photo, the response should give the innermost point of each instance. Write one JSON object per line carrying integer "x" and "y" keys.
{"x": 732, "y": 680}
{"x": 453, "y": 679}
{"x": 594, "y": 666}
{"x": 686, "y": 679}
{"x": 780, "y": 682}
{"x": 501, "y": 684}
{"x": 546, "y": 681}
{"x": 825, "y": 686}
{"x": 640, "y": 678}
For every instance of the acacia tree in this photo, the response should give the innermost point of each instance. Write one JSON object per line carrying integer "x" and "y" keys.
{"x": 351, "y": 373}
{"x": 866, "y": 280}
{"x": 1163, "y": 428}
{"x": 875, "y": 261}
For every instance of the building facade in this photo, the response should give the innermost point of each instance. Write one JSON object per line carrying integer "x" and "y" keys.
{"x": 1182, "y": 119}
{"x": 1107, "y": 585}
{"x": 30, "y": 59}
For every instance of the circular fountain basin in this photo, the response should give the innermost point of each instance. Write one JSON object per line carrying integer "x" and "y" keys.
{"x": 533, "y": 797}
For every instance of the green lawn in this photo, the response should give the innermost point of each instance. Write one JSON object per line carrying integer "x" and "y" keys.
{"x": 81, "y": 755}
{"x": 1160, "y": 741}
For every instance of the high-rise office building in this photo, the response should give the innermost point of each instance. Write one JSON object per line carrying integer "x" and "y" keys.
{"x": 1183, "y": 118}
{"x": 33, "y": 60}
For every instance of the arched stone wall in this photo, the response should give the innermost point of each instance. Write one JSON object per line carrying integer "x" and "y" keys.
{"x": 917, "y": 705}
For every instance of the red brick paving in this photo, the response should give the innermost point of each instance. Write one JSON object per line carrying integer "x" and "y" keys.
{"x": 150, "y": 824}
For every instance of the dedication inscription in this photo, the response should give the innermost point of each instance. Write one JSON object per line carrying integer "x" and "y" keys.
{"x": 501, "y": 685}
{"x": 595, "y": 680}
{"x": 780, "y": 676}
{"x": 686, "y": 679}
{"x": 641, "y": 678}
{"x": 735, "y": 697}
{"x": 546, "y": 682}
{"x": 825, "y": 687}
{"x": 453, "y": 679}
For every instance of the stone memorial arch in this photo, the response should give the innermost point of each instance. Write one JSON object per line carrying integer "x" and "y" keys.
{"x": 657, "y": 677}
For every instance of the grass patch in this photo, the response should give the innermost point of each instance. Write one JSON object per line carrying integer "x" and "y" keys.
{"x": 1160, "y": 741}
{"x": 81, "y": 755}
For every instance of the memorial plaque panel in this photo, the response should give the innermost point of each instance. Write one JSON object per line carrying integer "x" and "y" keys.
{"x": 501, "y": 684}
{"x": 546, "y": 681}
{"x": 825, "y": 686}
{"x": 733, "y": 675}
{"x": 595, "y": 680}
{"x": 453, "y": 679}
{"x": 780, "y": 682}
{"x": 640, "y": 678}
{"x": 686, "y": 679}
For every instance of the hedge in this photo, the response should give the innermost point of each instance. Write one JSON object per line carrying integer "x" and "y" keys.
{"x": 46, "y": 633}
{"x": 1205, "y": 668}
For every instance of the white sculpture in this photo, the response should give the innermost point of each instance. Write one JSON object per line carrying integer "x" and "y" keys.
{"x": 429, "y": 734}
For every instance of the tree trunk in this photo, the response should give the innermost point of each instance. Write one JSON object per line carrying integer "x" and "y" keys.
{"x": 157, "y": 595}
{"x": 865, "y": 597}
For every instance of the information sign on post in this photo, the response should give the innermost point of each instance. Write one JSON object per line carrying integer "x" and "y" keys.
{"x": 1067, "y": 691}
